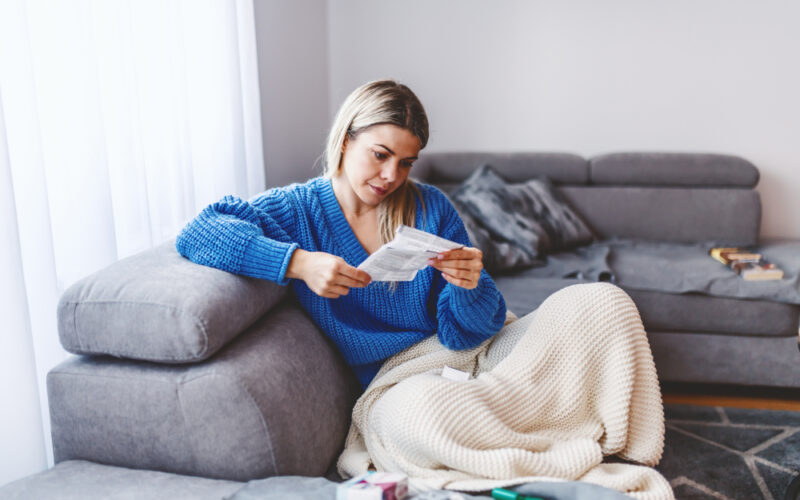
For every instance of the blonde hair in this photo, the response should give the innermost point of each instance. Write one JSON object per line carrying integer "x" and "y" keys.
{"x": 375, "y": 103}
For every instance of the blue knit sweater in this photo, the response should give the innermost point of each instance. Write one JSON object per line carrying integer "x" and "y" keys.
{"x": 257, "y": 238}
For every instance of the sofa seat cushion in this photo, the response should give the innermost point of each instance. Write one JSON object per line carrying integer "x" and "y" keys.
{"x": 689, "y": 312}
{"x": 687, "y": 268}
{"x": 274, "y": 401}
{"x": 82, "y": 480}
{"x": 726, "y": 359}
{"x": 158, "y": 306}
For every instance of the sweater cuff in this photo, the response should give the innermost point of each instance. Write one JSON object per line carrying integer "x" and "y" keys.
{"x": 477, "y": 302}
{"x": 268, "y": 259}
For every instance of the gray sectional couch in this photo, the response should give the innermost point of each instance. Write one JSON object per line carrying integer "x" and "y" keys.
{"x": 192, "y": 371}
{"x": 722, "y": 332}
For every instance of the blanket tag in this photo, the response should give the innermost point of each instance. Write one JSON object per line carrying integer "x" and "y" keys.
{"x": 453, "y": 374}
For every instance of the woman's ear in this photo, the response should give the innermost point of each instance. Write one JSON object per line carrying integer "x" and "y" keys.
{"x": 344, "y": 143}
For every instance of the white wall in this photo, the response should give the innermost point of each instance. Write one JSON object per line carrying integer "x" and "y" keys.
{"x": 592, "y": 77}
{"x": 292, "y": 37}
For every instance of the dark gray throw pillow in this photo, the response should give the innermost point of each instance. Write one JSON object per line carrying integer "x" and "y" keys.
{"x": 516, "y": 225}
{"x": 497, "y": 254}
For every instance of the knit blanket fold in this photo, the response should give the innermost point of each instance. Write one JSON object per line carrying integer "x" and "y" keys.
{"x": 551, "y": 395}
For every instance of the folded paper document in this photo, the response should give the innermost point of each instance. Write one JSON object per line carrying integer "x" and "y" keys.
{"x": 407, "y": 253}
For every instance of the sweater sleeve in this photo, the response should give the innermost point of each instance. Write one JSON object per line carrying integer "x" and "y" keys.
{"x": 465, "y": 317}
{"x": 248, "y": 238}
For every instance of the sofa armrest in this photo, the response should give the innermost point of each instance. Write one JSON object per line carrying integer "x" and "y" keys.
{"x": 274, "y": 401}
{"x": 159, "y": 306}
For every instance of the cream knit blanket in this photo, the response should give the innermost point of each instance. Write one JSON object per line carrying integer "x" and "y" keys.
{"x": 552, "y": 394}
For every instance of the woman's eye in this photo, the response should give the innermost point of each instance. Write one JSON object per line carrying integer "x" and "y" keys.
{"x": 408, "y": 164}
{"x": 380, "y": 156}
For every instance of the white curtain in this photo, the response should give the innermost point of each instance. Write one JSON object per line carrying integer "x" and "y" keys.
{"x": 119, "y": 121}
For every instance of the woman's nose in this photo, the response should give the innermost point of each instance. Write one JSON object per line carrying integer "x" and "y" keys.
{"x": 389, "y": 172}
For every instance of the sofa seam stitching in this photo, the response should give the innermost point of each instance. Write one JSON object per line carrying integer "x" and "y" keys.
{"x": 185, "y": 425}
{"x": 120, "y": 377}
{"x": 182, "y": 379}
{"x": 253, "y": 404}
{"x": 263, "y": 423}
{"x": 194, "y": 317}
{"x": 75, "y": 323}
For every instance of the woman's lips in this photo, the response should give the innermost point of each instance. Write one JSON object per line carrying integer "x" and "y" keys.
{"x": 378, "y": 190}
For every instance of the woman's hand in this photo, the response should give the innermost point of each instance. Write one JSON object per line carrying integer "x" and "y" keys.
{"x": 325, "y": 274}
{"x": 461, "y": 267}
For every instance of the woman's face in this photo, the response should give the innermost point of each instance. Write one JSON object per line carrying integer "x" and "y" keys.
{"x": 376, "y": 162}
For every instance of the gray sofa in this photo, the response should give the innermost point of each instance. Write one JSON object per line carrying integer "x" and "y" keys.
{"x": 191, "y": 371}
{"x": 690, "y": 200}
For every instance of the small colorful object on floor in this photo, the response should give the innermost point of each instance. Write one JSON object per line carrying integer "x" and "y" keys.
{"x": 504, "y": 494}
{"x": 374, "y": 486}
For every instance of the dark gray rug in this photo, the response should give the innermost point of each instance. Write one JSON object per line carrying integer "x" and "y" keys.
{"x": 730, "y": 453}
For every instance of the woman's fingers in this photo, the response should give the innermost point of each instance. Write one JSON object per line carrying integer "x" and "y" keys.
{"x": 466, "y": 253}
{"x": 339, "y": 285}
{"x": 461, "y": 273}
{"x": 461, "y": 267}
{"x": 455, "y": 261}
{"x": 458, "y": 264}
{"x": 462, "y": 282}
{"x": 345, "y": 280}
{"x": 335, "y": 292}
{"x": 458, "y": 269}
{"x": 331, "y": 277}
{"x": 354, "y": 275}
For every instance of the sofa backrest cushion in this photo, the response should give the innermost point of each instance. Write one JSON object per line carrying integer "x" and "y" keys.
{"x": 675, "y": 197}
{"x": 679, "y": 215}
{"x": 452, "y": 168}
{"x": 158, "y": 306}
{"x": 672, "y": 169}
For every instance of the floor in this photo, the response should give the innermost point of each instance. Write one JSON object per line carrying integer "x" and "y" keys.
{"x": 766, "y": 398}
{"x": 770, "y": 466}
{"x": 730, "y": 453}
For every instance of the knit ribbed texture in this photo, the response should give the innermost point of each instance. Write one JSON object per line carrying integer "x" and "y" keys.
{"x": 257, "y": 238}
{"x": 554, "y": 392}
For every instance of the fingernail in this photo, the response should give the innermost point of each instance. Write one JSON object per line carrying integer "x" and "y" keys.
{"x": 431, "y": 261}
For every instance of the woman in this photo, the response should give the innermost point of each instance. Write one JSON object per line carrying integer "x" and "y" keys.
{"x": 551, "y": 396}
{"x": 314, "y": 235}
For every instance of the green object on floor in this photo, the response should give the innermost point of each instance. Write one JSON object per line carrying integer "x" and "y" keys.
{"x": 504, "y": 494}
